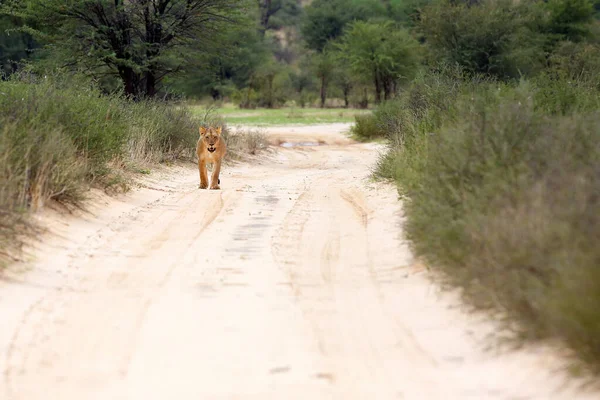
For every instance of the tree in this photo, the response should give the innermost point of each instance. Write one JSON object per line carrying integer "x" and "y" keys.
{"x": 569, "y": 19}
{"x": 381, "y": 52}
{"x": 140, "y": 41}
{"x": 326, "y": 19}
{"x": 284, "y": 11}
{"x": 492, "y": 37}
{"x": 241, "y": 55}
{"x": 14, "y": 45}
{"x": 407, "y": 12}
{"x": 272, "y": 85}
{"x": 303, "y": 80}
{"x": 345, "y": 81}
{"x": 323, "y": 65}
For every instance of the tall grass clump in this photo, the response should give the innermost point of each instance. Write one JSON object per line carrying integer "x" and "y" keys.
{"x": 160, "y": 132}
{"x": 57, "y": 138}
{"x": 503, "y": 194}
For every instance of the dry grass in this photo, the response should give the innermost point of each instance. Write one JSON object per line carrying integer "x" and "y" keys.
{"x": 240, "y": 142}
{"x": 57, "y": 138}
{"x": 245, "y": 142}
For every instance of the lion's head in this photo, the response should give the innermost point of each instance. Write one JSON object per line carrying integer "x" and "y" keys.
{"x": 211, "y": 137}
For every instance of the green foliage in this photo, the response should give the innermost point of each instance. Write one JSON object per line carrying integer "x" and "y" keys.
{"x": 366, "y": 128}
{"x": 577, "y": 61}
{"x": 14, "y": 44}
{"x": 95, "y": 126}
{"x": 493, "y": 37}
{"x": 325, "y": 20}
{"x": 559, "y": 96}
{"x": 138, "y": 42}
{"x": 59, "y": 136}
{"x": 419, "y": 110}
{"x": 221, "y": 73}
{"x": 503, "y": 189}
{"x": 345, "y": 81}
{"x": 324, "y": 68}
{"x": 569, "y": 19}
{"x": 303, "y": 82}
{"x": 89, "y": 130}
{"x": 503, "y": 38}
{"x": 269, "y": 87}
{"x": 381, "y": 52}
{"x": 277, "y": 14}
{"x": 408, "y": 12}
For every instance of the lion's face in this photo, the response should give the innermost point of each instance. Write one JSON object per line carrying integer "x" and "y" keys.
{"x": 211, "y": 137}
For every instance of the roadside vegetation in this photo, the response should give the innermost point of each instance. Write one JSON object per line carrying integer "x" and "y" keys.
{"x": 495, "y": 147}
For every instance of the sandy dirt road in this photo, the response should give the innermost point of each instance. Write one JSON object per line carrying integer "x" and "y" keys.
{"x": 293, "y": 282}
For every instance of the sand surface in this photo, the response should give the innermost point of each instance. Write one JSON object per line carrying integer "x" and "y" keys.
{"x": 292, "y": 282}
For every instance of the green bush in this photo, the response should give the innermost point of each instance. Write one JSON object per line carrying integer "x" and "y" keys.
{"x": 504, "y": 195}
{"x": 495, "y": 37}
{"x": 95, "y": 126}
{"x": 58, "y": 137}
{"x": 420, "y": 108}
{"x": 366, "y": 127}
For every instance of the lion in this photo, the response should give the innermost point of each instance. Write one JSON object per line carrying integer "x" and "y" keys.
{"x": 211, "y": 149}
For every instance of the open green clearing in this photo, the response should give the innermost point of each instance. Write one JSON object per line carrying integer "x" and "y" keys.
{"x": 281, "y": 116}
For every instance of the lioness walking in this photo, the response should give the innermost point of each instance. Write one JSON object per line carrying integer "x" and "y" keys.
{"x": 211, "y": 149}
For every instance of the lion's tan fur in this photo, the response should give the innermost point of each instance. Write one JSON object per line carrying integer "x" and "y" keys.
{"x": 210, "y": 138}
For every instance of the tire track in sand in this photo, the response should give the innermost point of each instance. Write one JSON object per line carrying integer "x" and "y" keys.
{"x": 50, "y": 315}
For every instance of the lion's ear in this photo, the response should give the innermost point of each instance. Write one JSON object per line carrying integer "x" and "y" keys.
{"x": 219, "y": 130}
{"x": 202, "y": 131}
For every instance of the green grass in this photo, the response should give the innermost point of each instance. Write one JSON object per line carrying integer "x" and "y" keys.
{"x": 282, "y": 116}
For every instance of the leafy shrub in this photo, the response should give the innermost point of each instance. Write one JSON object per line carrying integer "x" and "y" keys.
{"x": 366, "y": 127}
{"x": 493, "y": 37}
{"x": 59, "y": 136}
{"x": 504, "y": 195}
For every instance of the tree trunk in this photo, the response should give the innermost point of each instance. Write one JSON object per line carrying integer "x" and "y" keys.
{"x": 154, "y": 35}
{"x": 364, "y": 103}
{"x": 377, "y": 90}
{"x": 246, "y": 103}
{"x": 387, "y": 89}
{"x": 346, "y": 90}
{"x": 130, "y": 82}
{"x": 150, "y": 84}
{"x": 323, "y": 91}
{"x": 269, "y": 102}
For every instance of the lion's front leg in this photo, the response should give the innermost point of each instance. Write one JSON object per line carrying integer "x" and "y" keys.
{"x": 203, "y": 174}
{"x": 214, "y": 181}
